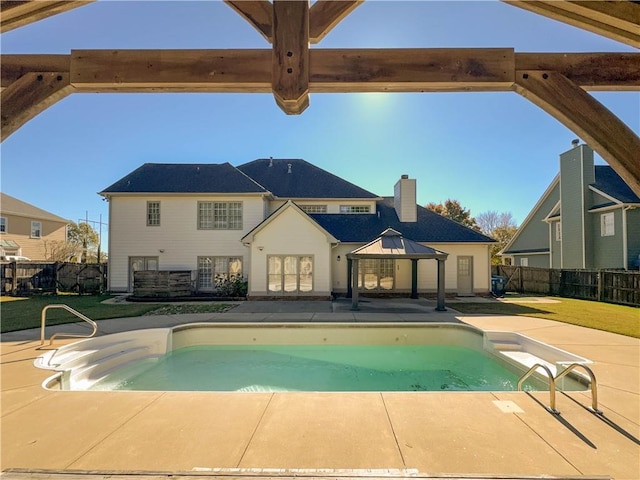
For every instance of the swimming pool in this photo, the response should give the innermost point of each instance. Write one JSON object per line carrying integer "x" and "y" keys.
{"x": 306, "y": 357}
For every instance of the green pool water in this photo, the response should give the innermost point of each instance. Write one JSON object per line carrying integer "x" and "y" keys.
{"x": 324, "y": 368}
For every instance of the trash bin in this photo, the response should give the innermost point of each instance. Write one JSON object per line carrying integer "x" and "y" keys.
{"x": 498, "y": 284}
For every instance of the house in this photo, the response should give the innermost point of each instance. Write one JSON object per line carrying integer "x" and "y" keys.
{"x": 588, "y": 218}
{"x": 289, "y": 227}
{"x": 28, "y": 231}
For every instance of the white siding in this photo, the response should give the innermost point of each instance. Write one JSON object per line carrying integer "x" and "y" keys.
{"x": 177, "y": 235}
{"x": 290, "y": 234}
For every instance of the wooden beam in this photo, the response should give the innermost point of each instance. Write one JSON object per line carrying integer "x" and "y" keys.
{"x": 290, "y": 63}
{"x": 330, "y": 70}
{"x": 587, "y": 118}
{"x": 326, "y": 14}
{"x": 17, "y": 13}
{"x": 591, "y": 71}
{"x": 30, "y": 95}
{"x": 412, "y": 70}
{"x": 240, "y": 71}
{"x": 618, "y": 20}
{"x": 13, "y": 67}
{"x": 259, "y": 13}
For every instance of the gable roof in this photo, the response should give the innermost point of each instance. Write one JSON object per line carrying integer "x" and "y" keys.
{"x": 296, "y": 178}
{"x": 12, "y": 206}
{"x": 430, "y": 227}
{"x": 185, "y": 178}
{"x": 392, "y": 244}
{"x": 248, "y": 238}
{"x": 610, "y": 183}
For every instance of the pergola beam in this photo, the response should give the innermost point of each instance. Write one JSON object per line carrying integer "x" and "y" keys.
{"x": 618, "y": 20}
{"x": 259, "y": 13}
{"x": 586, "y": 117}
{"x": 18, "y": 13}
{"x": 324, "y": 15}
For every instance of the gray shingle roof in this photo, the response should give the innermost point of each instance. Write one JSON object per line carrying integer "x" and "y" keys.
{"x": 609, "y": 182}
{"x": 304, "y": 180}
{"x": 185, "y": 178}
{"x": 13, "y": 206}
{"x": 430, "y": 227}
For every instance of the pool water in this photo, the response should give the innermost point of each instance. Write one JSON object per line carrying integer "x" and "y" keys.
{"x": 329, "y": 368}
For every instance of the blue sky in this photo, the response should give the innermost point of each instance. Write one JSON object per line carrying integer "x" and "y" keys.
{"x": 490, "y": 151}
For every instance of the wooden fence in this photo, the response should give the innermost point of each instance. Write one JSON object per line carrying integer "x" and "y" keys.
{"x": 164, "y": 283}
{"x": 26, "y": 278}
{"x": 612, "y": 286}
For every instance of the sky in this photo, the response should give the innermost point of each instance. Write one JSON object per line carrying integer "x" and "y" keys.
{"x": 489, "y": 151}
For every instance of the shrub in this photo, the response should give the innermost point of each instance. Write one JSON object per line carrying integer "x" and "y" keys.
{"x": 231, "y": 285}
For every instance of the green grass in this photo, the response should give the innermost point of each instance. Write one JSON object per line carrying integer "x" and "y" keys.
{"x": 19, "y": 313}
{"x": 601, "y": 316}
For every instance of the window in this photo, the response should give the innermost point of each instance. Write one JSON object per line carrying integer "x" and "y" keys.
{"x": 153, "y": 214}
{"x": 220, "y": 215}
{"x": 217, "y": 269}
{"x": 558, "y": 232}
{"x": 3, "y": 225}
{"x": 376, "y": 274}
{"x": 524, "y": 262}
{"x": 290, "y": 274}
{"x": 607, "y": 227}
{"x": 36, "y": 229}
{"x": 354, "y": 209}
{"x": 314, "y": 208}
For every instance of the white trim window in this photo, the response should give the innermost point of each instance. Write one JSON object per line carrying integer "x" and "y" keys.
{"x": 289, "y": 274}
{"x": 212, "y": 270}
{"x": 355, "y": 209}
{"x": 153, "y": 214}
{"x": 376, "y": 274}
{"x": 607, "y": 224}
{"x": 524, "y": 262}
{"x": 3, "y": 224}
{"x": 219, "y": 215}
{"x": 36, "y": 229}
{"x": 313, "y": 208}
{"x": 558, "y": 231}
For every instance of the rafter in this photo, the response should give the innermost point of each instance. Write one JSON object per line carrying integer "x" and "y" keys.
{"x": 17, "y": 13}
{"x": 28, "y": 96}
{"x": 324, "y": 15}
{"x": 618, "y": 20}
{"x": 586, "y": 117}
{"x": 290, "y": 79}
{"x": 259, "y": 13}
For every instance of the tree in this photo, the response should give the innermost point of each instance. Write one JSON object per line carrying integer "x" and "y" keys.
{"x": 454, "y": 211}
{"x": 85, "y": 239}
{"x": 500, "y": 226}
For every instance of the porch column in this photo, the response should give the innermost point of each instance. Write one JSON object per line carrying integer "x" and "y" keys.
{"x": 354, "y": 282}
{"x": 349, "y": 277}
{"x": 440, "y": 302}
{"x": 414, "y": 278}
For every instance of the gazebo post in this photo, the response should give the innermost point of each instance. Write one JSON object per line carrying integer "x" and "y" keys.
{"x": 440, "y": 302}
{"x": 354, "y": 283}
{"x": 414, "y": 278}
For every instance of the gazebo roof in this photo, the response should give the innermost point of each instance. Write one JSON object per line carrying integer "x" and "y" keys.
{"x": 392, "y": 244}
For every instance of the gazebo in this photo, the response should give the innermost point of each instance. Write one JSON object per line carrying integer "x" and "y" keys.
{"x": 391, "y": 244}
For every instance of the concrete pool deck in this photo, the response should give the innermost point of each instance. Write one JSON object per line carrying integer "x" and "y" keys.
{"x": 420, "y": 434}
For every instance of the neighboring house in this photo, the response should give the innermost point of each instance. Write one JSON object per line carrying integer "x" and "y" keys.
{"x": 587, "y": 218}
{"x": 286, "y": 225}
{"x": 28, "y": 231}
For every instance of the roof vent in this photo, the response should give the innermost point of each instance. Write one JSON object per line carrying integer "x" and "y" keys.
{"x": 405, "y": 176}
{"x": 271, "y": 161}
{"x": 575, "y": 142}
{"x": 289, "y": 168}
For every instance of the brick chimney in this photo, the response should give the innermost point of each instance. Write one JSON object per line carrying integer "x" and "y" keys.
{"x": 404, "y": 199}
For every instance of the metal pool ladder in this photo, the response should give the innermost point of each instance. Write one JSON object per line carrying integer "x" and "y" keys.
{"x": 552, "y": 384}
{"x": 43, "y": 319}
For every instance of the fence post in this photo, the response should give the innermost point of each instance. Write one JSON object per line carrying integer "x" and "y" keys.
{"x": 599, "y": 279}
{"x": 14, "y": 279}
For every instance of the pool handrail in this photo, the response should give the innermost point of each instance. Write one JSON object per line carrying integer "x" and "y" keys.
{"x": 43, "y": 318}
{"x": 552, "y": 385}
{"x": 593, "y": 384}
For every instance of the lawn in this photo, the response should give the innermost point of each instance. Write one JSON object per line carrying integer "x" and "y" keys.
{"x": 601, "y": 316}
{"x": 18, "y": 313}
